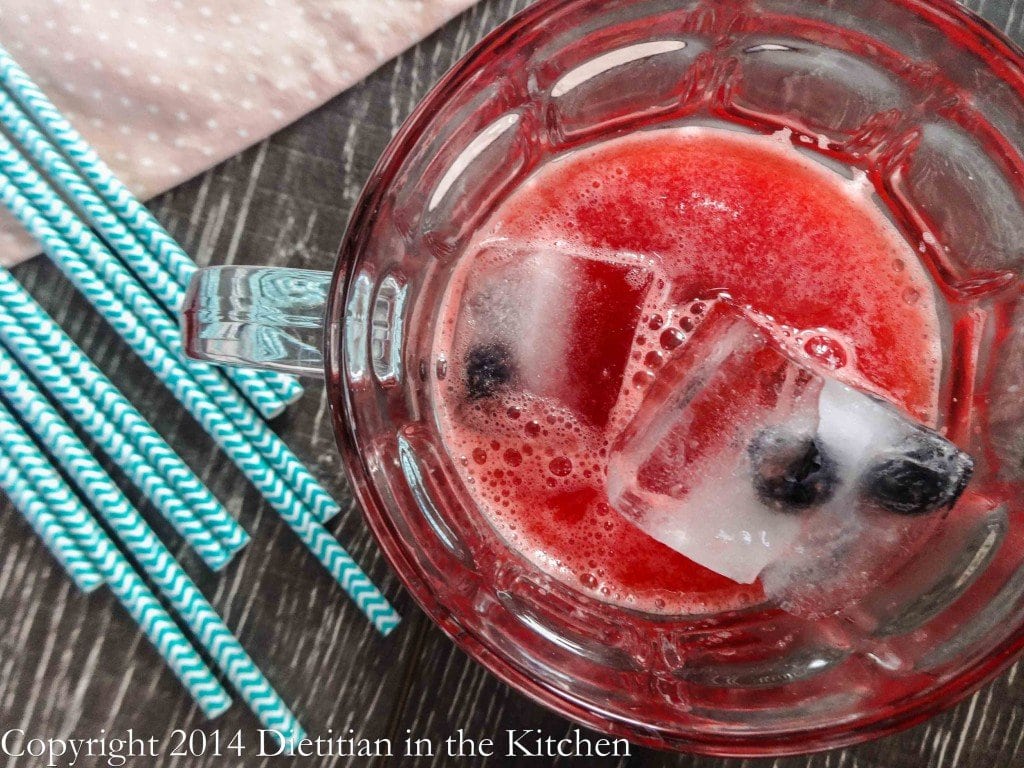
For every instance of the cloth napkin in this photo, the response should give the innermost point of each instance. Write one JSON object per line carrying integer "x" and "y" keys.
{"x": 164, "y": 89}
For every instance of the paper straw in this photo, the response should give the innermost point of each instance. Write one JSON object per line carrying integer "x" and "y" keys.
{"x": 237, "y": 443}
{"x": 123, "y": 242}
{"x": 41, "y": 488}
{"x": 64, "y": 549}
{"x": 121, "y": 201}
{"x": 41, "y": 202}
{"x": 137, "y": 468}
{"x": 64, "y": 218}
{"x": 150, "y": 553}
{"x": 44, "y": 349}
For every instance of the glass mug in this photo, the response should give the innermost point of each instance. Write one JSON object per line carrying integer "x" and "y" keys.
{"x": 922, "y": 96}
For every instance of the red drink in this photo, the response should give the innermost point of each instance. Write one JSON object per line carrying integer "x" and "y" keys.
{"x": 597, "y": 270}
{"x": 499, "y": 387}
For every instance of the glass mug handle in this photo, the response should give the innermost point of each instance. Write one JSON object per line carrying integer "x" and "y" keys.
{"x": 257, "y": 317}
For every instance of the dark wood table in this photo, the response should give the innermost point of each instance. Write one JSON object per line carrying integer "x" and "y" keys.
{"x": 71, "y": 665}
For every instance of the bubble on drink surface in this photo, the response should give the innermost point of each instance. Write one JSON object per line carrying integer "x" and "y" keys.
{"x": 671, "y": 338}
{"x": 751, "y": 463}
{"x": 826, "y": 349}
{"x": 643, "y": 379}
{"x": 653, "y": 358}
{"x": 560, "y": 466}
{"x": 589, "y": 580}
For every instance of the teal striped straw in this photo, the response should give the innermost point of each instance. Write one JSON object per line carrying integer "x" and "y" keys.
{"x": 45, "y": 489}
{"x": 150, "y": 553}
{"x": 123, "y": 242}
{"x": 227, "y": 434}
{"x": 122, "y": 202}
{"x": 89, "y": 397}
{"x": 56, "y": 538}
{"x": 137, "y": 468}
{"x": 40, "y": 209}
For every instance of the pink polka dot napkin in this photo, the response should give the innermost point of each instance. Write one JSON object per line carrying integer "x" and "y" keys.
{"x": 164, "y": 89}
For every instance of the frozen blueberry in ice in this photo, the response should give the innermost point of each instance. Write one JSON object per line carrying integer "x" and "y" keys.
{"x": 567, "y": 320}
{"x": 924, "y": 474}
{"x": 791, "y": 472}
{"x": 489, "y": 367}
{"x": 748, "y": 462}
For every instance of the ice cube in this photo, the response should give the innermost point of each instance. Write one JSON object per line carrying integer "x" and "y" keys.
{"x": 895, "y": 473}
{"x": 752, "y": 464}
{"x": 681, "y": 470}
{"x": 553, "y": 322}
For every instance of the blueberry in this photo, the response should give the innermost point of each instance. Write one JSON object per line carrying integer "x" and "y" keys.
{"x": 791, "y": 473}
{"x": 925, "y": 473}
{"x": 488, "y": 368}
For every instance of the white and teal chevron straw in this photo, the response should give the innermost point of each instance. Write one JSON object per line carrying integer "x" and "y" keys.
{"x": 144, "y": 231}
{"x": 134, "y": 464}
{"x": 150, "y": 553}
{"x": 238, "y": 445}
{"x": 42, "y": 202}
{"x": 41, "y": 489}
{"x": 47, "y": 210}
{"x": 114, "y": 424}
{"x": 121, "y": 241}
{"x": 56, "y": 538}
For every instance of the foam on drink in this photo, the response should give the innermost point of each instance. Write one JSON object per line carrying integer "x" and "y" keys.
{"x": 597, "y": 270}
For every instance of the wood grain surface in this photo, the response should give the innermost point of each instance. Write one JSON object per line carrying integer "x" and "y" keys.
{"x": 72, "y": 665}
